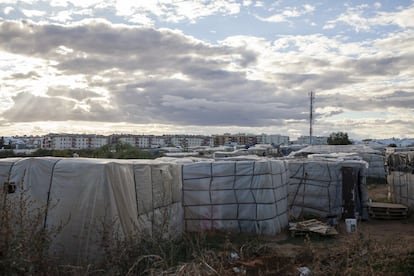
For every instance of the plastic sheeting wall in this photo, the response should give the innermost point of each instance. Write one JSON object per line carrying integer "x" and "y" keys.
{"x": 237, "y": 196}
{"x": 94, "y": 197}
{"x": 401, "y": 177}
{"x": 376, "y": 173}
{"x": 376, "y": 160}
{"x": 315, "y": 187}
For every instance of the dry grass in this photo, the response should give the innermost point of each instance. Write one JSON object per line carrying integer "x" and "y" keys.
{"x": 24, "y": 251}
{"x": 207, "y": 254}
{"x": 24, "y": 240}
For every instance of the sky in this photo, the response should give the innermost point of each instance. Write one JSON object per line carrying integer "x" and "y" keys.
{"x": 207, "y": 67}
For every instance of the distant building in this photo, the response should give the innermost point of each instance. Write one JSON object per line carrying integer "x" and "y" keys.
{"x": 316, "y": 140}
{"x": 275, "y": 139}
{"x": 73, "y": 141}
{"x": 151, "y": 141}
{"x": 21, "y": 142}
{"x": 143, "y": 141}
{"x": 190, "y": 141}
{"x": 140, "y": 141}
{"x": 240, "y": 139}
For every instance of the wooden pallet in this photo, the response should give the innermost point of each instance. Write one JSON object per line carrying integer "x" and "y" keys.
{"x": 380, "y": 210}
{"x": 311, "y": 226}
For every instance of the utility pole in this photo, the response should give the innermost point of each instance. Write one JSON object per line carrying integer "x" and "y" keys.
{"x": 312, "y": 98}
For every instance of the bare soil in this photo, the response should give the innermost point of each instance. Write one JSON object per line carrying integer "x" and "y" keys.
{"x": 378, "y": 192}
{"x": 378, "y": 247}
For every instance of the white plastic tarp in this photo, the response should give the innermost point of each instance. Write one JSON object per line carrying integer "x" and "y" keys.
{"x": 315, "y": 187}
{"x": 92, "y": 198}
{"x": 374, "y": 158}
{"x": 238, "y": 196}
{"x": 401, "y": 177}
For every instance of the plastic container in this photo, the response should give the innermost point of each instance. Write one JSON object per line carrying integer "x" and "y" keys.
{"x": 351, "y": 225}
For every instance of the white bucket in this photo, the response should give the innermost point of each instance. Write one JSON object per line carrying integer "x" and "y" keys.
{"x": 351, "y": 225}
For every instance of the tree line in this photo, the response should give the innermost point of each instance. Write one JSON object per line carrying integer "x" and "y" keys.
{"x": 117, "y": 151}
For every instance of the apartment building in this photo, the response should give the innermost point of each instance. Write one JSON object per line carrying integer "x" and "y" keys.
{"x": 240, "y": 139}
{"x": 87, "y": 141}
{"x": 151, "y": 141}
{"x": 73, "y": 141}
{"x": 316, "y": 140}
{"x": 275, "y": 139}
{"x": 190, "y": 141}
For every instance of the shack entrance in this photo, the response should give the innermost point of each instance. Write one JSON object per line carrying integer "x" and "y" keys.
{"x": 351, "y": 192}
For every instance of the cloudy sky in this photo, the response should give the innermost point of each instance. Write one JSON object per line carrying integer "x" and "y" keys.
{"x": 207, "y": 67}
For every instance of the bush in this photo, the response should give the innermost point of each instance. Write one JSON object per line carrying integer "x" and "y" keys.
{"x": 338, "y": 138}
{"x": 24, "y": 240}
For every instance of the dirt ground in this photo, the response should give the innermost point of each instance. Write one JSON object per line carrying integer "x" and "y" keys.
{"x": 378, "y": 192}
{"x": 387, "y": 229}
{"x": 378, "y": 247}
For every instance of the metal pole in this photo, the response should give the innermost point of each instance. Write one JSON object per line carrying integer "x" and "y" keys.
{"x": 312, "y": 97}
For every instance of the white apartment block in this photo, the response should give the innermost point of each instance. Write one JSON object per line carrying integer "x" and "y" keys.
{"x": 130, "y": 140}
{"x": 195, "y": 141}
{"x": 60, "y": 142}
{"x": 98, "y": 141}
{"x": 316, "y": 140}
{"x": 276, "y": 139}
{"x": 157, "y": 142}
{"x": 143, "y": 142}
{"x": 136, "y": 141}
{"x": 151, "y": 141}
{"x": 191, "y": 141}
{"x": 73, "y": 141}
{"x": 178, "y": 141}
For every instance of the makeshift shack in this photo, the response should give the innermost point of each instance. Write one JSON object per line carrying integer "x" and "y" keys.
{"x": 401, "y": 177}
{"x": 95, "y": 199}
{"x": 239, "y": 196}
{"x": 375, "y": 173}
{"x": 324, "y": 187}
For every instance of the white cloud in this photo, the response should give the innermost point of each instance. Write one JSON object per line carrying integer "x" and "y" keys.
{"x": 59, "y": 3}
{"x": 174, "y": 11}
{"x": 329, "y": 25}
{"x": 8, "y": 10}
{"x": 274, "y": 18}
{"x": 287, "y": 13}
{"x": 21, "y": 1}
{"x": 354, "y": 17}
{"x": 259, "y": 4}
{"x": 63, "y": 16}
{"x": 357, "y": 18}
{"x": 247, "y": 3}
{"x": 402, "y": 18}
{"x": 97, "y": 71}
{"x": 84, "y": 3}
{"x": 33, "y": 13}
{"x": 309, "y": 8}
{"x": 141, "y": 19}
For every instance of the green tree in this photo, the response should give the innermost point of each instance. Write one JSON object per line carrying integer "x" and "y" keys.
{"x": 7, "y": 153}
{"x": 339, "y": 138}
{"x": 121, "y": 151}
{"x": 41, "y": 152}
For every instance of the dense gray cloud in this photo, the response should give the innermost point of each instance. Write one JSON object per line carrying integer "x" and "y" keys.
{"x": 27, "y": 75}
{"x": 211, "y": 94}
{"x": 375, "y": 65}
{"x": 396, "y": 99}
{"x": 77, "y": 94}
{"x": 30, "y": 108}
{"x": 144, "y": 75}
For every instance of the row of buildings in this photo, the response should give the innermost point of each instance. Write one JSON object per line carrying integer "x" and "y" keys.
{"x": 91, "y": 141}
